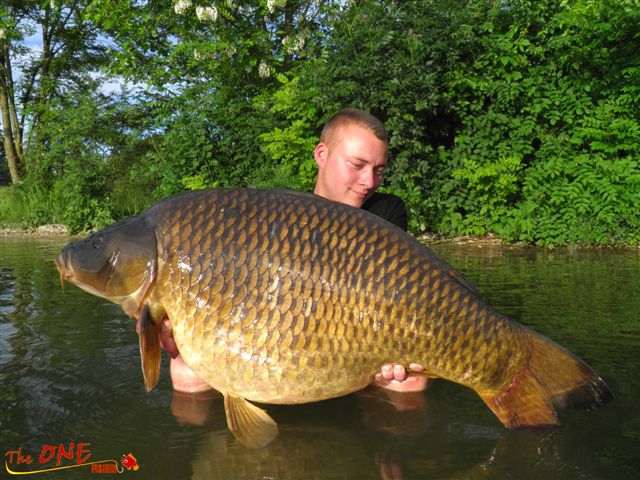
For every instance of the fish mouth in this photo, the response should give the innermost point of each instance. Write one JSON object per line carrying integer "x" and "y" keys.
{"x": 63, "y": 268}
{"x": 64, "y": 271}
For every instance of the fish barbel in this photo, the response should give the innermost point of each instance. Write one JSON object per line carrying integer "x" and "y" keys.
{"x": 285, "y": 297}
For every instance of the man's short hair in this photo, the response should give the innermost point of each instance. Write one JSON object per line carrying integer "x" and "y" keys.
{"x": 353, "y": 116}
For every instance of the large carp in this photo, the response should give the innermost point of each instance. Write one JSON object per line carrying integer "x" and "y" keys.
{"x": 285, "y": 297}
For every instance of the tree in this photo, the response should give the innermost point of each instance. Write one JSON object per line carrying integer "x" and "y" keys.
{"x": 11, "y": 129}
{"x": 207, "y": 68}
{"x": 518, "y": 118}
{"x": 71, "y": 51}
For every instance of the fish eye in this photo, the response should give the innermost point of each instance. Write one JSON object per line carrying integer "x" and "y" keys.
{"x": 96, "y": 242}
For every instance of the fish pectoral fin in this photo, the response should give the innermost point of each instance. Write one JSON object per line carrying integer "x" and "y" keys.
{"x": 252, "y": 426}
{"x": 149, "y": 348}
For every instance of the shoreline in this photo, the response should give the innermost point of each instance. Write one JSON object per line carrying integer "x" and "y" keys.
{"x": 58, "y": 231}
{"x": 43, "y": 231}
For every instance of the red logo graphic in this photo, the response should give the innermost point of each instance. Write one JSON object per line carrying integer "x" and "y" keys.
{"x": 130, "y": 462}
{"x": 54, "y": 457}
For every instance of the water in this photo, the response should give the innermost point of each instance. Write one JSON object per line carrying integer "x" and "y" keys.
{"x": 69, "y": 372}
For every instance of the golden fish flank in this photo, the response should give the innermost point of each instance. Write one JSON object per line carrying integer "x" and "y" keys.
{"x": 284, "y": 297}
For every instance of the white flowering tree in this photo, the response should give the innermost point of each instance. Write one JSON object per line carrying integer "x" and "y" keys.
{"x": 207, "y": 65}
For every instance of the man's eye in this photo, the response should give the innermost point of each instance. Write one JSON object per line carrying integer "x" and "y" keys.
{"x": 356, "y": 165}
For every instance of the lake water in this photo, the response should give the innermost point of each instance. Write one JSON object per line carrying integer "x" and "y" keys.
{"x": 70, "y": 373}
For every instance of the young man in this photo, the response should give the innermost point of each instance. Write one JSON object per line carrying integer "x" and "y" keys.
{"x": 351, "y": 158}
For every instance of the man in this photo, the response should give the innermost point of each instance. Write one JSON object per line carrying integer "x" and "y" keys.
{"x": 351, "y": 158}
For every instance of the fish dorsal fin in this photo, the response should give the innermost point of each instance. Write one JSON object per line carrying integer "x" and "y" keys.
{"x": 149, "y": 348}
{"x": 252, "y": 426}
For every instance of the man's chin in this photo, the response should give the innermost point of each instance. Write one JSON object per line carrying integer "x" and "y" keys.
{"x": 357, "y": 200}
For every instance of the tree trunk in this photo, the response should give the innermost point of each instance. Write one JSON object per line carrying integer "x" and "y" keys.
{"x": 10, "y": 151}
{"x": 9, "y": 146}
{"x": 16, "y": 127}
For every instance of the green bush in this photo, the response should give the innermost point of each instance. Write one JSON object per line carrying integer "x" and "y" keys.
{"x": 520, "y": 119}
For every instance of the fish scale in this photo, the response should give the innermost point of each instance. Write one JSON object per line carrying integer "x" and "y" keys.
{"x": 345, "y": 298}
{"x": 283, "y": 297}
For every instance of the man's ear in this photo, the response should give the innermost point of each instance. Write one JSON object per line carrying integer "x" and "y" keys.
{"x": 320, "y": 154}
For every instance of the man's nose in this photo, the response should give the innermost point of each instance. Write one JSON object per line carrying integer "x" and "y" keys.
{"x": 367, "y": 178}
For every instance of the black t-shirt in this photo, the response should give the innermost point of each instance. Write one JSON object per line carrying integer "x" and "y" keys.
{"x": 389, "y": 207}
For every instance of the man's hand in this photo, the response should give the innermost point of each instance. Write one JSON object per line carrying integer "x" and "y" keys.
{"x": 166, "y": 338}
{"x": 182, "y": 377}
{"x": 395, "y": 377}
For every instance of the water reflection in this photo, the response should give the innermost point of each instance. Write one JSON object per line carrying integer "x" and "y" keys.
{"x": 70, "y": 371}
{"x": 404, "y": 443}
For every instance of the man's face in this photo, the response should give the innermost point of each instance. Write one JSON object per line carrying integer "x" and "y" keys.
{"x": 350, "y": 166}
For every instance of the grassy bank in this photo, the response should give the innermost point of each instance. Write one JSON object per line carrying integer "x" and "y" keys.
{"x": 25, "y": 210}
{"x": 13, "y": 209}
{"x": 30, "y": 207}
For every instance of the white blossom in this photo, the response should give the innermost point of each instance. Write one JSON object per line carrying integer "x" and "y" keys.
{"x": 263, "y": 70}
{"x": 273, "y": 4}
{"x": 207, "y": 13}
{"x": 231, "y": 51}
{"x": 200, "y": 55}
{"x": 52, "y": 4}
{"x": 3, "y": 34}
{"x": 294, "y": 44}
{"x": 182, "y": 6}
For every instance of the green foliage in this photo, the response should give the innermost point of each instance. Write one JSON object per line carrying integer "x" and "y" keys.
{"x": 67, "y": 165}
{"x": 213, "y": 69}
{"x": 38, "y": 205}
{"x": 183, "y": 153}
{"x": 290, "y": 148}
{"x": 76, "y": 208}
{"x": 484, "y": 193}
{"x": 555, "y": 87}
{"x": 520, "y": 119}
{"x": 19, "y": 208}
{"x": 389, "y": 58}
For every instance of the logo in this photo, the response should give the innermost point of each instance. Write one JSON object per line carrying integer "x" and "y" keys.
{"x": 64, "y": 457}
{"x": 130, "y": 462}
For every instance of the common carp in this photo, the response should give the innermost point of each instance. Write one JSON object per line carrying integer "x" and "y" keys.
{"x": 282, "y": 297}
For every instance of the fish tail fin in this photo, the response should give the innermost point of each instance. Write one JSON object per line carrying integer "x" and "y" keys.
{"x": 553, "y": 379}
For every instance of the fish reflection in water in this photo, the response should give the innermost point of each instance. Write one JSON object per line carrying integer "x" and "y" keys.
{"x": 399, "y": 436}
{"x": 306, "y": 448}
